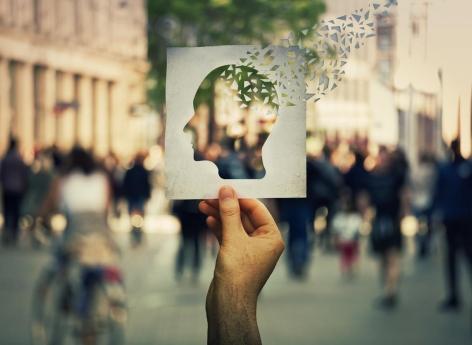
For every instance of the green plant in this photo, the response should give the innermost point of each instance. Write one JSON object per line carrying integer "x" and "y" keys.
{"x": 173, "y": 23}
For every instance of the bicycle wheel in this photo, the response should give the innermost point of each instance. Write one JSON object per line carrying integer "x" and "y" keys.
{"x": 51, "y": 311}
{"x": 106, "y": 318}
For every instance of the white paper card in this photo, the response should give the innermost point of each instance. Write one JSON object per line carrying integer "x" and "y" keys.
{"x": 283, "y": 153}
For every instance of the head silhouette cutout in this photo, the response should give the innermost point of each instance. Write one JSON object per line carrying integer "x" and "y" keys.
{"x": 235, "y": 109}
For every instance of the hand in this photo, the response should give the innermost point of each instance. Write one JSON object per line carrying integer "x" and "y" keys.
{"x": 250, "y": 246}
{"x": 250, "y": 241}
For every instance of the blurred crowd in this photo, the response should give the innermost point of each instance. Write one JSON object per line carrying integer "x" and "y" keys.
{"x": 27, "y": 189}
{"x": 354, "y": 192}
{"x": 234, "y": 160}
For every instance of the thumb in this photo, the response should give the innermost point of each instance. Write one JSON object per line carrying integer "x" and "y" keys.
{"x": 229, "y": 213}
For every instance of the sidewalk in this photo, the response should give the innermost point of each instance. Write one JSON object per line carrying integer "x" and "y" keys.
{"x": 325, "y": 310}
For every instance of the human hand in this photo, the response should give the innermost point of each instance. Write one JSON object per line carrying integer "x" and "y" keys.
{"x": 250, "y": 246}
{"x": 250, "y": 241}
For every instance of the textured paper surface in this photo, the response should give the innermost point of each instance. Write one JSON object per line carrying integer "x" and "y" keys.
{"x": 283, "y": 152}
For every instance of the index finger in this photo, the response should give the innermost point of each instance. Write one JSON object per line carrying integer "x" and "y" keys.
{"x": 257, "y": 213}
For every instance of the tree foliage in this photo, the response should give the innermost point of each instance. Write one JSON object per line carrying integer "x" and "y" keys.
{"x": 173, "y": 23}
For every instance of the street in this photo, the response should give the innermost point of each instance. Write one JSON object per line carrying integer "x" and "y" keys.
{"x": 350, "y": 120}
{"x": 325, "y": 309}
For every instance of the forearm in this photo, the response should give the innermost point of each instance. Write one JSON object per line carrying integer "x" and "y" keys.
{"x": 231, "y": 315}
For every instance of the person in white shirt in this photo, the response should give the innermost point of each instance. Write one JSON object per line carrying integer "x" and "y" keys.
{"x": 82, "y": 193}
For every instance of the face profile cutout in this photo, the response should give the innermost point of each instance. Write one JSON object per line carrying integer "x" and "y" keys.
{"x": 236, "y": 116}
{"x": 235, "y": 109}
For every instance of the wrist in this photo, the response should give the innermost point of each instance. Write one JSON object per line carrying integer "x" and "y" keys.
{"x": 230, "y": 299}
{"x": 231, "y": 315}
{"x": 232, "y": 294}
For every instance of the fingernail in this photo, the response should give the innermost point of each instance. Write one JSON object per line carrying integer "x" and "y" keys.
{"x": 226, "y": 193}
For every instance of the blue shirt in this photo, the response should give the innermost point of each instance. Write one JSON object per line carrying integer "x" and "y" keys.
{"x": 453, "y": 194}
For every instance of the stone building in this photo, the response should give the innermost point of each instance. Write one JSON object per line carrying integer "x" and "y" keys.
{"x": 434, "y": 76}
{"x": 410, "y": 86}
{"x": 352, "y": 110}
{"x": 449, "y": 25}
{"x": 71, "y": 72}
{"x": 417, "y": 83}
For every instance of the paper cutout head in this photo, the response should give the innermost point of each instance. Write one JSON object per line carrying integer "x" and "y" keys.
{"x": 235, "y": 108}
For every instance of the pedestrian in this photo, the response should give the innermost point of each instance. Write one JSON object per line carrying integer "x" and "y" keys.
{"x": 39, "y": 183}
{"x": 192, "y": 231}
{"x": 356, "y": 177}
{"x": 453, "y": 202}
{"x": 423, "y": 184}
{"x": 137, "y": 186}
{"x": 82, "y": 192}
{"x": 231, "y": 162}
{"x": 386, "y": 192}
{"x": 57, "y": 156}
{"x": 324, "y": 184}
{"x": 295, "y": 213}
{"x": 346, "y": 230}
{"x": 14, "y": 175}
{"x": 115, "y": 175}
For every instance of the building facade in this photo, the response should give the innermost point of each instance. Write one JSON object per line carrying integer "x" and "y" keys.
{"x": 352, "y": 110}
{"x": 417, "y": 82}
{"x": 71, "y": 72}
{"x": 433, "y": 81}
{"x": 410, "y": 86}
{"x": 448, "y": 25}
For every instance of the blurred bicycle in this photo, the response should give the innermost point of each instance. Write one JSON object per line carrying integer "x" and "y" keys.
{"x": 80, "y": 297}
{"x": 43, "y": 231}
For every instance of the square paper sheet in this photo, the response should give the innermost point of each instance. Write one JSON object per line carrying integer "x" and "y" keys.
{"x": 283, "y": 153}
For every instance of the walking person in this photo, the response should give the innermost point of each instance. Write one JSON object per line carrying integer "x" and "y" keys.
{"x": 386, "y": 187}
{"x": 136, "y": 185}
{"x": 295, "y": 213}
{"x": 231, "y": 162}
{"x": 423, "y": 185}
{"x": 14, "y": 175}
{"x": 356, "y": 177}
{"x": 453, "y": 202}
{"x": 115, "y": 174}
{"x": 193, "y": 226}
{"x": 324, "y": 182}
{"x": 40, "y": 180}
{"x": 137, "y": 191}
{"x": 346, "y": 230}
